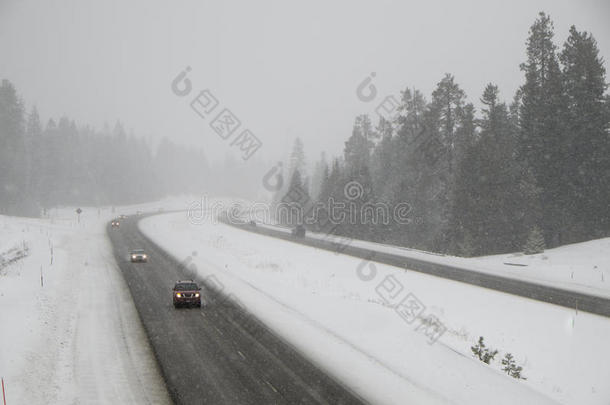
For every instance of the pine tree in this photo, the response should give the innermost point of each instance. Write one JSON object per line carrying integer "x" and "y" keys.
{"x": 588, "y": 146}
{"x": 296, "y": 201}
{"x": 482, "y": 352}
{"x": 317, "y": 178}
{"x": 535, "y": 242}
{"x": 466, "y": 245}
{"x": 448, "y": 113}
{"x": 542, "y": 123}
{"x": 13, "y": 154}
{"x": 448, "y": 101}
{"x": 487, "y": 195}
{"x": 296, "y": 161}
{"x": 33, "y": 143}
{"x": 415, "y": 155}
{"x": 381, "y": 161}
{"x": 358, "y": 146}
{"x": 357, "y": 160}
{"x": 297, "y": 158}
{"x": 510, "y": 367}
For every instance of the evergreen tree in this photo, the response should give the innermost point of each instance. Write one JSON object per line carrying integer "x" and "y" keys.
{"x": 487, "y": 195}
{"x": 296, "y": 202}
{"x": 33, "y": 145}
{"x": 381, "y": 161}
{"x": 357, "y": 159}
{"x": 448, "y": 115}
{"x": 67, "y": 165}
{"x": 535, "y": 242}
{"x": 510, "y": 367}
{"x": 587, "y": 163}
{"x": 319, "y": 173}
{"x": 358, "y": 146}
{"x": 296, "y": 161}
{"x": 13, "y": 159}
{"x": 542, "y": 123}
{"x": 331, "y": 188}
{"x": 412, "y": 171}
{"x": 482, "y": 352}
{"x": 297, "y": 157}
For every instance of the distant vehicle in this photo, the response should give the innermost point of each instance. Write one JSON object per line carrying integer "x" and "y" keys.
{"x": 186, "y": 293}
{"x": 139, "y": 213}
{"x": 116, "y": 224}
{"x": 122, "y": 216}
{"x": 298, "y": 231}
{"x": 138, "y": 256}
{"x": 252, "y": 222}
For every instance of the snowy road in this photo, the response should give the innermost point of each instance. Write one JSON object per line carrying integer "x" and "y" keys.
{"x": 214, "y": 355}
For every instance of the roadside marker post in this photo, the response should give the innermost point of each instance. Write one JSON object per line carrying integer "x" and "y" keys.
{"x": 3, "y": 394}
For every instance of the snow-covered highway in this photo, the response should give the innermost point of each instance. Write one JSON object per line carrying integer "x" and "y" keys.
{"x": 218, "y": 354}
{"x": 314, "y": 299}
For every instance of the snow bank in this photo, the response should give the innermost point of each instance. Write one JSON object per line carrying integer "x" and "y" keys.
{"x": 69, "y": 332}
{"x": 582, "y": 267}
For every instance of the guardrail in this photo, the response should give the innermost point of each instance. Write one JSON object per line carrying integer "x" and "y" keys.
{"x": 14, "y": 254}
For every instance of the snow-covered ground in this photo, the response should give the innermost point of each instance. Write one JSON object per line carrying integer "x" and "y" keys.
{"x": 339, "y": 310}
{"x": 582, "y": 267}
{"x": 69, "y": 332}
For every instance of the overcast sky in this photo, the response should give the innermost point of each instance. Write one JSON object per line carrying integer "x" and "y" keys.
{"x": 284, "y": 68}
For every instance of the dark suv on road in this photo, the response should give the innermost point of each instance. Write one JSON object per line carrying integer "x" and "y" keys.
{"x": 186, "y": 293}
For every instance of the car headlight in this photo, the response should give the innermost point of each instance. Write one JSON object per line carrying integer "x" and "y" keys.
{"x": 133, "y": 256}
{"x": 144, "y": 256}
{"x": 196, "y": 294}
{"x": 178, "y": 295}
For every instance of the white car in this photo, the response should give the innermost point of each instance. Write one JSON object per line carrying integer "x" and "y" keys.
{"x": 138, "y": 256}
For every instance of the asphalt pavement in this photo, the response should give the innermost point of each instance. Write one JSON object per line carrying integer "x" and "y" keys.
{"x": 219, "y": 354}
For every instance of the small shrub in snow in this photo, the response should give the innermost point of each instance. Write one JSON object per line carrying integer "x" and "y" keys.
{"x": 482, "y": 352}
{"x": 511, "y": 368}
